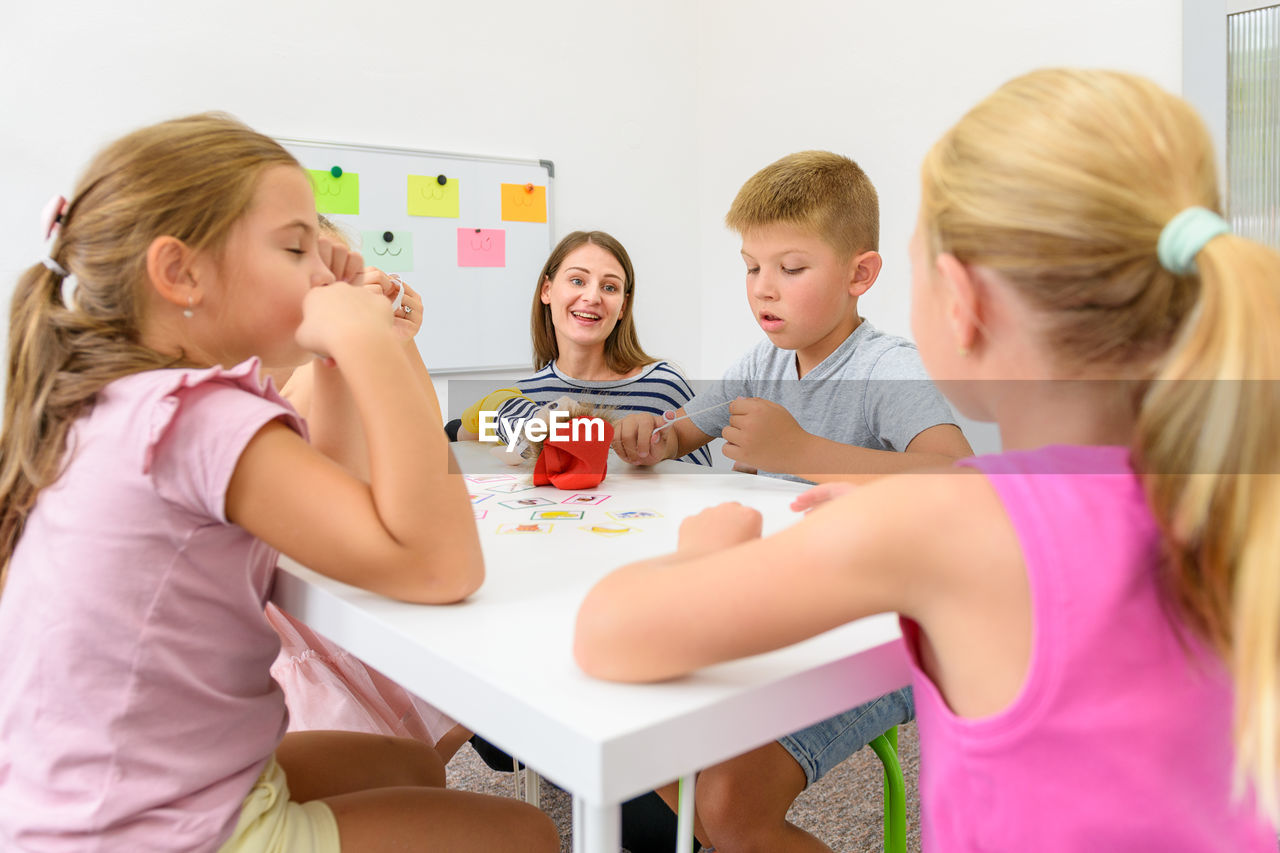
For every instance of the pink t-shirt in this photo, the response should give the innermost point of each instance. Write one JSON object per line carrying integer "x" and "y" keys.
{"x": 1120, "y": 738}
{"x": 137, "y": 707}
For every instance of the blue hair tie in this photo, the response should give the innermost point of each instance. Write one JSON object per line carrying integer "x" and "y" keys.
{"x": 1185, "y": 235}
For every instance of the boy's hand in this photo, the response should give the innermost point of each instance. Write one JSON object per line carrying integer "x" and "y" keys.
{"x": 820, "y": 495}
{"x": 635, "y": 439}
{"x": 335, "y": 313}
{"x": 717, "y": 528}
{"x": 762, "y": 434}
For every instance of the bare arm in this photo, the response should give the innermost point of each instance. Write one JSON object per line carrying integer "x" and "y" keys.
{"x": 321, "y": 393}
{"x": 857, "y": 555}
{"x": 372, "y": 533}
{"x": 762, "y": 434}
{"x": 832, "y": 462}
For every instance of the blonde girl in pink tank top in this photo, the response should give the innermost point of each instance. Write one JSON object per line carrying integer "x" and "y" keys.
{"x": 1092, "y": 615}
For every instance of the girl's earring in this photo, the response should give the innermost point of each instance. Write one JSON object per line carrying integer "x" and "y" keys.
{"x": 962, "y": 351}
{"x": 187, "y": 312}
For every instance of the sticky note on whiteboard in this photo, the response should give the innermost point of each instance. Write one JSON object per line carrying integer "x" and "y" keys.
{"x": 426, "y": 196}
{"x": 335, "y": 194}
{"x": 389, "y": 255}
{"x": 524, "y": 203}
{"x": 482, "y": 247}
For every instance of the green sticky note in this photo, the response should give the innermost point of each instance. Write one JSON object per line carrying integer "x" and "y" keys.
{"x": 394, "y": 255}
{"x": 335, "y": 195}
{"x": 428, "y": 197}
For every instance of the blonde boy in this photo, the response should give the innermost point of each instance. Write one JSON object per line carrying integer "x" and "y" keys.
{"x": 826, "y": 397}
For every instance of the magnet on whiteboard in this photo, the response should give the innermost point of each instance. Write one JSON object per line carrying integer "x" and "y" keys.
{"x": 441, "y": 180}
{"x": 336, "y": 171}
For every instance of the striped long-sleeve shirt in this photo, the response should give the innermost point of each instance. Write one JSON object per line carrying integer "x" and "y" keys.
{"x": 658, "y": 388}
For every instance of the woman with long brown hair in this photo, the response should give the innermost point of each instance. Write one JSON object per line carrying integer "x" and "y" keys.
{"x": 585, "y": 344}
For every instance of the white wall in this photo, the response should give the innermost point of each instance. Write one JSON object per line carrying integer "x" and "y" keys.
{"x": 654, "y": 112}
{"x": 878, "y": 82}
{"x": 604, "y": 90}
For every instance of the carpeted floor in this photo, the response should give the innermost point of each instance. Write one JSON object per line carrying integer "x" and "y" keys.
{"x": 845, "y": 809}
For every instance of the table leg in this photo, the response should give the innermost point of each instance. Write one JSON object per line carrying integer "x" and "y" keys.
{"x": 533, "y": 788}
{"x": 684, "y": 823}
{"x": 597, "y": 828}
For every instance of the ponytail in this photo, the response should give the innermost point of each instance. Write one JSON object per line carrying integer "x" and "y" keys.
{"x": 1065, "y": 182}
{"x": 1210, "y": 455}
{"x": 58, "y": 360}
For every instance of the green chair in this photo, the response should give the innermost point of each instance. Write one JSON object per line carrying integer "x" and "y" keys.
{"x": 895, "y": 797}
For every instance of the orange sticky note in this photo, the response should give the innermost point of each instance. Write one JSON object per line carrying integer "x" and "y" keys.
{"x": 524, "y": 203}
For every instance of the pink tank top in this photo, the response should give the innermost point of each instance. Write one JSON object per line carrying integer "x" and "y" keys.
{"x": 1120, "y": 738}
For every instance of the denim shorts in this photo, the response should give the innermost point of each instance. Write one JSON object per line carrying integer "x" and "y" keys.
{"x": 822, "y": 746}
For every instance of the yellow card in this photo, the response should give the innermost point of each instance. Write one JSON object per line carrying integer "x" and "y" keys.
{"x": 428, "y": 197}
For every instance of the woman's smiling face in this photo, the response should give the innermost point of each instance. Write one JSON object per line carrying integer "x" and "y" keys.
{"x": 585, "y": 297}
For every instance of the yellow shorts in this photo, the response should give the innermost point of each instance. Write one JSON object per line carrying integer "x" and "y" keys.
{"x": 272, "y": 823}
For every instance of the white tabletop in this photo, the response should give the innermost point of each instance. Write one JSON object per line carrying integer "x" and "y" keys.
{"x": 501, "y": 662}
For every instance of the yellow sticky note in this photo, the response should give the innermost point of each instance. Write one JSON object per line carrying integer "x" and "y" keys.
{"x": 524, "y": 203}
{"x": 335, "y": 193}
{"x": 428, "y": 197}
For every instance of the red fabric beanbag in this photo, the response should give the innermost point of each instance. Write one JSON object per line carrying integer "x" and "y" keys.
{"x": 569, "y": 464}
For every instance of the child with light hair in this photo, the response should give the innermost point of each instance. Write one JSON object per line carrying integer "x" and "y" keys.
{"x": 1091, "y": 615}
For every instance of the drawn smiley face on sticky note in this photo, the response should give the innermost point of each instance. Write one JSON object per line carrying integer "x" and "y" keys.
{"x": 335, "y": 194}
{"x": 482, "y": 247}
{"x": 426, "y": 196}
{"x": 389, "y": 251}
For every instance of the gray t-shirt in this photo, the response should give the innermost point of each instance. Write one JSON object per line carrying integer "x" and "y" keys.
{"x": 871, "y": 392}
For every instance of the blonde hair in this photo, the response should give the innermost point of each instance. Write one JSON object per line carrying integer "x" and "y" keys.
{"x": 622, "y": 350}
{"x": 329, "y": 228}
{"x": 1061, "y": 181}
{"x": 190, "y": 178}
{"x": 823, "y": 193}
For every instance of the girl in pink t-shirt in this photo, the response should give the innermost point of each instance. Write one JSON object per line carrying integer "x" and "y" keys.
{"x": 1091, "y": 617}
{"x": 148, "y": 481}
{"x": 325, "y": 686}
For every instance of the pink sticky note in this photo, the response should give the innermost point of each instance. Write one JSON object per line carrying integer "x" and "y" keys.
{"x": 482, "y": 247}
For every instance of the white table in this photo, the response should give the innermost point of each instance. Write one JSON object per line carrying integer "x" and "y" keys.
{"x": 501, "y": 662}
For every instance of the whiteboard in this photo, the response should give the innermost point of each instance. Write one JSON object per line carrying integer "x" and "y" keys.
{"x": 462, "y": 230}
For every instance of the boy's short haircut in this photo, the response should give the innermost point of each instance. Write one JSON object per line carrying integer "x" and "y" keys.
{"x": 818, "y": 191}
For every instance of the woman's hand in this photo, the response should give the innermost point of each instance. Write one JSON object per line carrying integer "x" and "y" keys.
{"x": 717, "y": 528}
{"x": 640, "y": 439}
